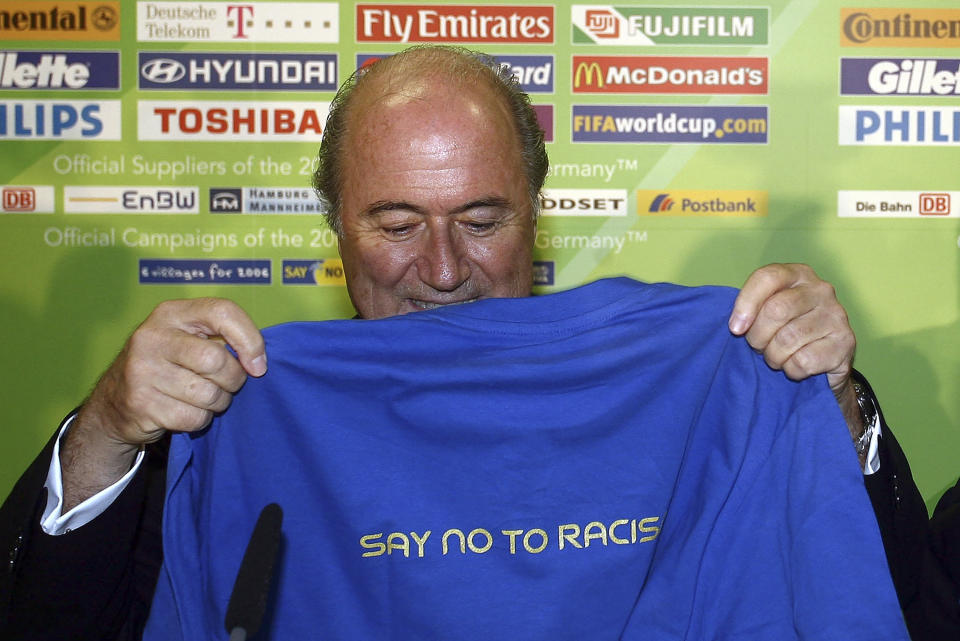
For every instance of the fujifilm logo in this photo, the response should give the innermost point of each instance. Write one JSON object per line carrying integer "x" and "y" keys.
{"x": 59, "y": 69}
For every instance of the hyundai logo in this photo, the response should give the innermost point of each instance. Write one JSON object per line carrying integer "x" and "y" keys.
{"x": 163, "y": 70}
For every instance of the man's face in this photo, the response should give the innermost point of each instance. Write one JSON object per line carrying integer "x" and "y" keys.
{"x": 435, "y": 203}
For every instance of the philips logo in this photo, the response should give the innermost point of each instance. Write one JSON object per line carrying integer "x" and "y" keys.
{"x": 900, "y": 76}
{"x": 869, "y": 125}
{"x": 62, "y": 70}
{"x": 239, "y": 71}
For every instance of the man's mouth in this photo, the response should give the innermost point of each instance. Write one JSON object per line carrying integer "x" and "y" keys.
{"x": 428, "y": 304}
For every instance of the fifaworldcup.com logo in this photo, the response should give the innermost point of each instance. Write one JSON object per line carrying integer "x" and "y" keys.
{"x": 703, "y": 202}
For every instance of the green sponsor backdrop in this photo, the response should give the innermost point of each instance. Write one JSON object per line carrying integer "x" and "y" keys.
{"x": 65, "y": 310}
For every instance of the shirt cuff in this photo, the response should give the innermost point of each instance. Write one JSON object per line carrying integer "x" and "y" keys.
{"x": 872, "y": 463}
{"x": 53, "y": 521}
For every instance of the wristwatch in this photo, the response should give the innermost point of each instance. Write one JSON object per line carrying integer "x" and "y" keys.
{"x": 868, "y": 413}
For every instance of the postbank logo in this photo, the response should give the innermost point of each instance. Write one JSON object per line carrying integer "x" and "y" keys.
{"x": 479, "y": 23}
{"x": 264, "y": 200}
{"x": 670, "y": 124}
{"x": 26, "y": 199}
{"x": 83, "y": 20}
{"x": 59, "y": 70}
{"x": 702, "y": 202}
{"x": 323, "y": 271}
{"x": 898, "y": 204}
{"x": 215, "y": 120}
{"x": 669, "y": 75}
{"x": 166, "y": 271}
{"x": 583, "y": 202}
{"x": 900, "y": 27}
{"x": 60, "y": 119}
{"x": 899, "y": 76}
{"x": 648, "y": 26}
{"x": 237, "y": 71}
{"x": 906, "y": 125}
{"x": 219, "y": 21}
{"x": 90, "y": 199}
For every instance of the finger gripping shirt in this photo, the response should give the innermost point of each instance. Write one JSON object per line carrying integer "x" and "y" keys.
{"x": 603, "y": 463}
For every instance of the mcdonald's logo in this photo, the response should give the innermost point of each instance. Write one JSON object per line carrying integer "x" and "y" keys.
{"x": 585, "y": 73}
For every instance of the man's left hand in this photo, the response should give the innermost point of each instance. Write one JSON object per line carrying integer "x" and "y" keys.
{"x": 794, "y": 319}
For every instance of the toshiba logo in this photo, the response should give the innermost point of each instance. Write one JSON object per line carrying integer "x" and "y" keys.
{"x": 234, "y": 120}
{"x": 455, "y": 23}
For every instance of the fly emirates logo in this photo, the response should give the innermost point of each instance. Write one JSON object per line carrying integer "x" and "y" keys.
{"x": 455, "y": 23}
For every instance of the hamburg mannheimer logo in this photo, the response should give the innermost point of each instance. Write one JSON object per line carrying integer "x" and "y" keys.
{"x": 900, "y": 27}
{"x": 216, "y": 120}
{"x": 702, "y": 202}
{"x": 670, "y": 75}
{"x": 480, "y": 23}
{"x": 646, "y": 26}
{"x": 900, "y": 76}
{"x": 237, "y": 71}
{"x": 263, "y": 200}
{"x": 60, "y": 119}
{"x": 670, "y": 124}
{"x": 534, "y": 73}
{"x": 583, "y": 202}
{"x": 164, "y": 271}
{"x": 26, "y": 199}
{"x": 898, "y": 204}
{"x": 543, "y": 272}
{"x": 217, "y": 21}
{"x": 82, "y": 20}
{"x": 130, "y": 200}
{"x": 59, "y": 70}
{"x": 323, "y": 271}
{"x": 900, "y": 125}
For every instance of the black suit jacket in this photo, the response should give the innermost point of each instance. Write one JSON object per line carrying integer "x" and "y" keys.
{"x": 96, "y": 582}
{"x": 923, "y": 554}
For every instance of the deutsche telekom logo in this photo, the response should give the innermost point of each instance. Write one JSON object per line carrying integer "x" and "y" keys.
{"x": 240, "y": 10}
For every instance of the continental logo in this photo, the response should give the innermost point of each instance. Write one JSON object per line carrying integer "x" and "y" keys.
{"x": 702, "y": 202}
{"x": 455, "y": 23}
{"x": 71, "y": 21}
{"x": 669, "y": 75}
{"x": 648, "y": 26}
{"x": 900, "y": 27}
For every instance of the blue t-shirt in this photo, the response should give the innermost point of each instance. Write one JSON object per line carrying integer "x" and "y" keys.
{"x": 603, "y": 463}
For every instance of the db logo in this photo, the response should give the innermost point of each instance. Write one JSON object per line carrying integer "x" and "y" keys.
{"x": 934, "y": 204}
{"x": 19, "y": 199}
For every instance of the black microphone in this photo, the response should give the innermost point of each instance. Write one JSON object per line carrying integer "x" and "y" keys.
{"x": 248, "y": 601}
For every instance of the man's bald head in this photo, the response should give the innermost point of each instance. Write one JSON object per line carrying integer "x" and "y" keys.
{"x": 408, "y": 75}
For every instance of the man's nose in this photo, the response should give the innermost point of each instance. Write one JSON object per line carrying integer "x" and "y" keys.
{"x": 442, "y": 264}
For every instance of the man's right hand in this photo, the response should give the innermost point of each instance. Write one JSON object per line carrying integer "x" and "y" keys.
{"x": 174, "y": 374}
